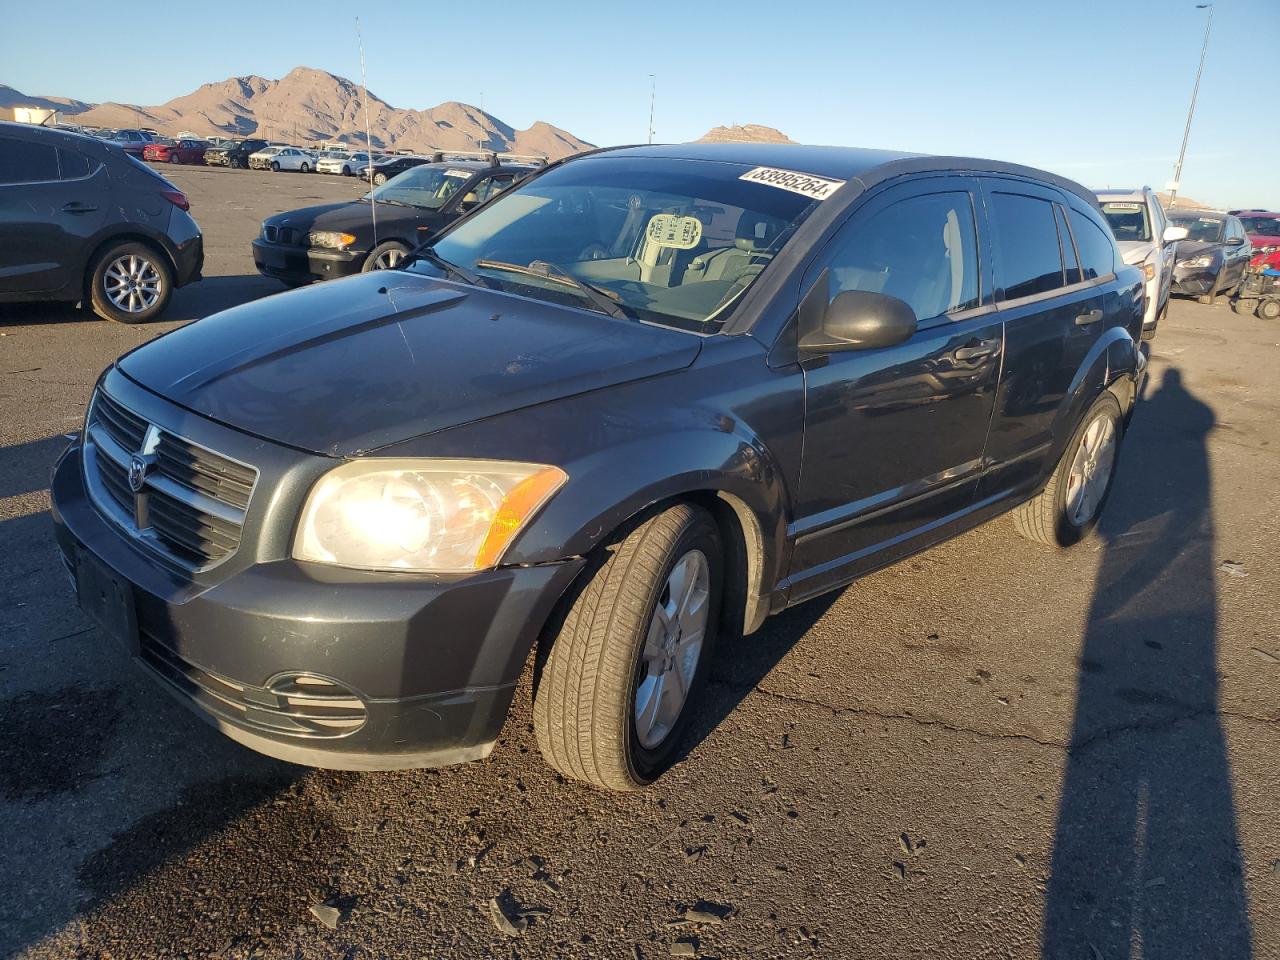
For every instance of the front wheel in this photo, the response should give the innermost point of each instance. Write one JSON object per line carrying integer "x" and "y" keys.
{"x": 275, "y": 166}
{"x": 385, "y": 256}
{"x": 131, "y": 283}
{"x": 173, "y": 158}
{"x": 1245, "y": 306}
{"x": 1067, "y": 510}
{"x": 379, "y": 179}
{"x": 1269, "y": 309}
{"x": 304, "y": 168}
{"x": 614, "y": 696}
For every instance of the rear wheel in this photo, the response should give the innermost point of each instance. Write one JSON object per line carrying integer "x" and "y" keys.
{"x": 1269, "y": 309}
{"x": 385, "y": 256}
{"x": 131, "y": 283}
{"x": 614, "y": 695}
{"x": 346, "y": 171}
{"x": 1068, "y": 508}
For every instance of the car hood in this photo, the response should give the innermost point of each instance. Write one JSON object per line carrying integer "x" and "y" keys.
{"x": 350, "y": 216}
{"x": 1135, "y": 251}
{"x": 349, "y": 366}
{"x": 1263, "y": 240}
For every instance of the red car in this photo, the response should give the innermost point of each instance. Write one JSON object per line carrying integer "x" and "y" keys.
{"x": 176, "y": 151}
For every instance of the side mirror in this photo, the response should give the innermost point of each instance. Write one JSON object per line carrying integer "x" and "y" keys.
{"x": 1174, "y": 234}
{"x": 854, "y": 320}
{"x": 1235, "y": 241}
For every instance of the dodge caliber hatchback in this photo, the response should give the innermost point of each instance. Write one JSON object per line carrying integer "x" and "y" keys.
{"x": 625, "y": 411}
{"x": 82, "y": 221}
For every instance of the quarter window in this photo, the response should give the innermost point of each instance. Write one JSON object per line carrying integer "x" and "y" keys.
{"x": 24, "y": 162}
{"x": 1028, "y": 257}
{"x": 922, "y": 250}
{"x": 1097, "y": 251}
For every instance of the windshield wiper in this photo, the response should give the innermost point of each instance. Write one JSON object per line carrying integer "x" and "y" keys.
{"x": 605, "y": 301}
{"x": 450, "y": 269}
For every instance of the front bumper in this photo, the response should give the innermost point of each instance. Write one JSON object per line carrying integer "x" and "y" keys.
{"x": 1194, "y": 281}
{"x": 304, "y": 264}
{"x": 421, "y": 668}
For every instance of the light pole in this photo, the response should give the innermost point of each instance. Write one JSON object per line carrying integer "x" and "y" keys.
{"x": 653, "y": 92}
{"x": 1191, "y": 111}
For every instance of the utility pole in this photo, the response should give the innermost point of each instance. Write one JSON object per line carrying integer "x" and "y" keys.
{"x": 1191, "y": 111}
{"x": 653, "y": 92}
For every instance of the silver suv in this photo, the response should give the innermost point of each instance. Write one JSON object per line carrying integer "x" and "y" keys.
{"x": 1146, "y": 240}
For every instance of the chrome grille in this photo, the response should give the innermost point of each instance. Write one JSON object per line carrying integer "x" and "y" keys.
{"x": 183, "y": 500}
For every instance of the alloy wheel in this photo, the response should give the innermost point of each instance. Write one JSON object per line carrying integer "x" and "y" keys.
{"x": 672, "y": 649}
{"x": 132, "y": 283}
{"x": 388, "y": 259}
{"x": 1091, "y": 471}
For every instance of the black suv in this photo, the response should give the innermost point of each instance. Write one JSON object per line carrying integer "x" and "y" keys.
{"x": 234, "y": 154}
{"x": 631, "y": 407}
{"x": 339, "y": 239}
{"x": 80, "y": 220}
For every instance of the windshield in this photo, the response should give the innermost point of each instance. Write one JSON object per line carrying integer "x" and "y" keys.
{"x": 1208, "y": 229}
{"x": 1128, "y": 219}
{"x": 423, "y": 186}
{"x": 673, "y": 241}
{"x": 1261, "y": 226}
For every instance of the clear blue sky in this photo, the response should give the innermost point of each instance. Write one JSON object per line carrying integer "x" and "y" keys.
{"x": 1097, "y": 91}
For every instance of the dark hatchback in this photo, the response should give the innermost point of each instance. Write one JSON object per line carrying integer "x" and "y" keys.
{"x": 339, "y": 239}
{"x": 1212, "y": 260}
{"x": 380, "y": 171}
{"x": 636, "y": 404}
{"x": 82, "y": 221}
{"x": 233, "y": 154}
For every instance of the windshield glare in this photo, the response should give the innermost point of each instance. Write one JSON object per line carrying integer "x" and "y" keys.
{"x": 1261, "y": 226}
{"x": 423, "y": 186}
{"x": 673, "y": 241}
{"x": 1207, "y": 229}
{"x": 1128, "y": 219}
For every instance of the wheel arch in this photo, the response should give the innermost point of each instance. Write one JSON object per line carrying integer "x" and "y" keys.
{"x": 126, "y": 236}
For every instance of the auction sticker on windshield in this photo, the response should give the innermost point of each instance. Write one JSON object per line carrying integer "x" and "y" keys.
{"x": 464, "y": 174}
{"x": 805, "y": 184}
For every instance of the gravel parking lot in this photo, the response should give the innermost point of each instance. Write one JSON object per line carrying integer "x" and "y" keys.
{"x": 989, "y": 750}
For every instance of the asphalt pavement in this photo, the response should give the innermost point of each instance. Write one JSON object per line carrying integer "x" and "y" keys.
{"x": 988, "y": 750}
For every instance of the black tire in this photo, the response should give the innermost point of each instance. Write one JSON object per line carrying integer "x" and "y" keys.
{"x": 1269, "y": 309}
{"x": 1245, "y": 306}
{"x": 379, "y": 179}
{"x": 346, "y": 171}
{"x": 1045, "y": 517}
{"x": 101, "y": 300}
{"x": 304, "y": 168}
{"x": 584, "y": 705}
{"x": 275, "y": 166}
{"x": 173, "y": 158}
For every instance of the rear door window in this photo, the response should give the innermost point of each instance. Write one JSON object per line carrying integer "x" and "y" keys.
{"x": 1028, "y": 259}
{"x": 22, "y": 161}
{"x": 1097, "y": 251}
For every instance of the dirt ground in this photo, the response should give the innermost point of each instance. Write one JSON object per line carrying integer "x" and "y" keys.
{"x": 989, "y": 750}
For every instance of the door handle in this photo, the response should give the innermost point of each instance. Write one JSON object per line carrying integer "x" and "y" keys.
{"x": 975, "y": 351}
{"x": 1084, "y": 319}
{"x": 75, "y": 206}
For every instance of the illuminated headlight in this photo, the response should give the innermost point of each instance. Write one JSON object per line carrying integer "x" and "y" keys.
{"x": 330, "y": 240}
{"x": 1204, "y": 260}
{"x": 1149, "y": 271}
{"x": 427, "y": 516}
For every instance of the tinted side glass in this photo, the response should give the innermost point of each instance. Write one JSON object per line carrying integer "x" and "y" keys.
{"x": 24, "y": 162}
{"x": 74, "y": 164}
{"x": 1097, "y": 252}
{"x": 1028, "y": 260}
{"x": 1069, "y": 259}
{"x": 922, "y": 250}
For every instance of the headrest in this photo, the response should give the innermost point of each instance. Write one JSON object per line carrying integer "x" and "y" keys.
{"x": 756, "y": 233}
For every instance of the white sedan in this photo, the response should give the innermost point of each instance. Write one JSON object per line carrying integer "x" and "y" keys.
{"x": 346, "y": 165}
{"x": 283, "y": 158}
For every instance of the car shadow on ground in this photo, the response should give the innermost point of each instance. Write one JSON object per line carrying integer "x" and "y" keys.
{"x": 1146, "y": 853}
{"x": 192, "y": 302}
